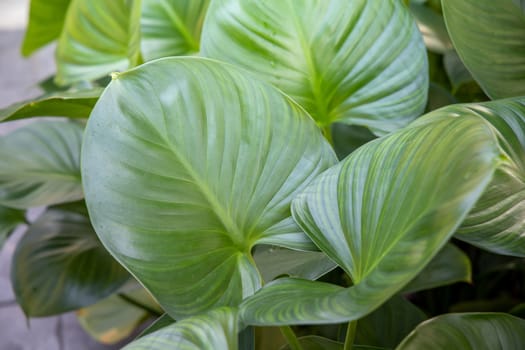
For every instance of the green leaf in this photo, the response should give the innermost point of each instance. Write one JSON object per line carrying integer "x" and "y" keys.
{"x": 313, "y": 342}
{"x": 432, "y": 27}
{"x": 184, "y": 176}
{"x": 488, "y": 36}
{"x": 457, "y": 73}
{"x": 60, "y": 265}
{"x": 317, "y": 52}
{"x": 71, "y": 104}
{"x": 99, "y": 37}
{"x": 348, "y": 138}
{"x": 40, "y": 164}
{"x": 171, "y": 28}
{"x": 390, "y": 324}
{"x": 382, "y": 214}
{"x": 497, "y": 222}
{"x": 46, "y": 19}
{"x": 9, "y": 220}
{"x": 216, "y": 330}
{"x": 438, "y": 97}
{"x": 114, "y": 318}
{"x": 449, "y": 266}
{"x": 273, "y": 262}
{"x": 161, "y": 322}
{"x": 480, "y": 331}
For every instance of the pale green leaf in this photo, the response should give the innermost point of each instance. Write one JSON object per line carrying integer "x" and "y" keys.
{"x": 9, "y": 220}
{"x": 490, "y": 39}
{"x": 358, "y": 62}
{"x": 71, "y": 104}
{"x": 40, "y": 164}
{"x": 479, "y": 331}
{"x": 185, "y": 175}
{"x": 449, "y": 266}
{"x": 382, "y": 214}
{"x": 60, "y": 265}
{"x": 171, "y": 28}
{"x": 46, "y": 19}
{"x": 99, "y": 37}
{"x": 215, "y": 330}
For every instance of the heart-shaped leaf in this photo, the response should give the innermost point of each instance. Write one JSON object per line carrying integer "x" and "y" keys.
{"x": 317, "y": 52}
{"x": 216, "y": 330}
{"x": 98, "y": 37}
{"x": 171, "y": 28}
{"x": 46, "y": 19}
{"x": 480, "y": 331}
{"x": 40, "y": 164}
{"x": 489, "y": 37}
{"x": 71, "y": 104}
{"x": 185, "y": 175}
{"x": 382, "y": 214}
{"x": 9, "y": 220}
{"x": 60, "y": 265}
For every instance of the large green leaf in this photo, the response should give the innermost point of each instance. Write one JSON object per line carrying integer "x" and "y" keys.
{"x": 40, "y": 164}
{"x": 171, "y": 28}
{"x": 490, "y": 39}
{"x": 60, "y": 265}
{"x": 216, "y": 330}
{"x": 185, "y": 175}
{"x": 382, "y": 214}
{"x": 483, "y": 331}
{"x": 358, "y": 62}
{"x": 99, "y": 37}
{"x": 432, "y": 27}
{"x": 9, "y": 220}
{"x": 46, "y": 19}
{"x": 72, "y": 104}
{"x": 450, "y": 265}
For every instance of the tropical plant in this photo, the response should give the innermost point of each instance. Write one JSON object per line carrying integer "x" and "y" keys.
{"x": 332, "y": 168}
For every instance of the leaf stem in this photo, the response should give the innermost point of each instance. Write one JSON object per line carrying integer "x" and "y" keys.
{"x": 139, "y": 305}
{"x": 291, "y": 338}
{"x": 350, "y": 335}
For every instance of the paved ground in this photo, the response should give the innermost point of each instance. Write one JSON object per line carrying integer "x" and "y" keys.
{"x": 17, "y": 82}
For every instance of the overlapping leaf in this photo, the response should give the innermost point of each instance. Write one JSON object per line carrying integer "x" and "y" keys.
{"x": 188, "y": 164}
{"x": 171, "y": 28}
{"x": 489, "y": 37}
{"x": 40, "y": 164}
{"x": 98, "y": 37}
{"x": 60, "y": 265}
{"x": 216, "y": 330}
{"x": 357, "y": 62}
{"x": 483, "y": 331}
{"x": 382, "y": 214}
{"x": 9, "y": 220}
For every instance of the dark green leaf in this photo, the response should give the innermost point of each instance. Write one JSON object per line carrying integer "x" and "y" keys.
{"x": 161, "y": 322}
{"x": 457, "y": 73}
{"x": 46, "y": 19}
{"x": 489, "y": 37}
{"x": 313, "y": 342}
{"x": 215, "y": 330}
{"x": 72, "y": 104}
{"x": 432, "y": 26}
{"x": 9, "y": 220}
{"x": 348, "y": 138}
{"x": 60, "y": 265}
{"x": 382, "y": 214}
{"x": 171, "y": 28}
{"x": 184, "y": 176}
{"x": 438, "y": 97}
{"x": 40, "y": 164}
{"x": 483, "y": 331}
{"x": 357, "y": 62}
{"x": 99, "y": 37}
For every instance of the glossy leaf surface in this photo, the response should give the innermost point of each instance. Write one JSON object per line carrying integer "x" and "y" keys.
{"x": 99, "y": 37}
{"x": 46, "y": 19}
{"x": 382, "y": 214}
{"x": 480, "y": 331}
{"x": 71, "y": 104}
{"x": 489, "y": 37}
{"x": 40, "y": 164}
{"x": 60, "y": 265}
{"x": 9, "y": 220}
{"x": 449, "y": 266}
{"x": 216, "y": 330}
{"x": 184, "y": 176}
{"x": 171, "y": 28}
{"x": 357, "y": 62}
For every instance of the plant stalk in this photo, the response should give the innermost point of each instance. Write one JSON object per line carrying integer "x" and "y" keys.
{"x": 291, "y": 338}
{"x": 350, "y": 335}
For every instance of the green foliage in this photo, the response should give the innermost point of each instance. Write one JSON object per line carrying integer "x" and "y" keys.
{"x": 215, "y": 180}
